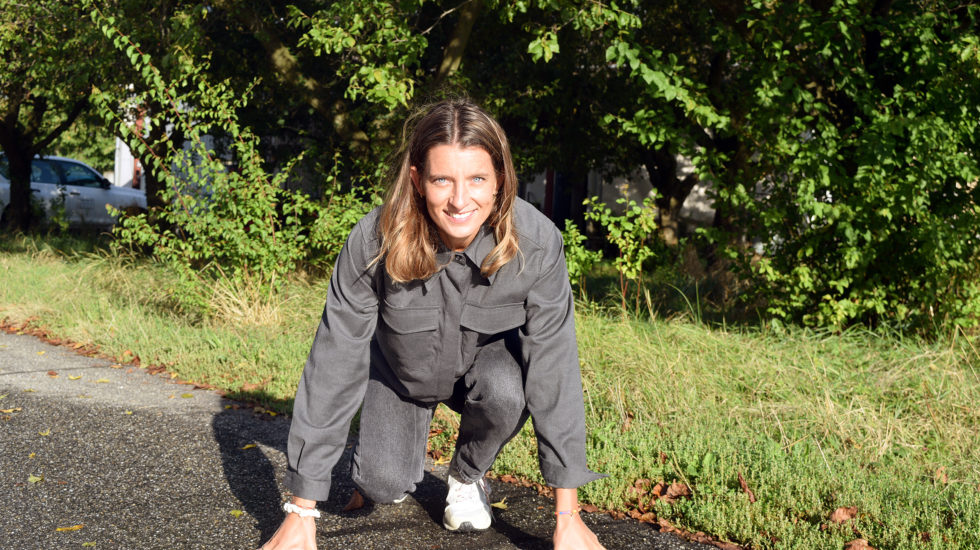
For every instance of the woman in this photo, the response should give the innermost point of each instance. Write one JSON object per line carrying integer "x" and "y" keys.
{"x": 454, "y": 291}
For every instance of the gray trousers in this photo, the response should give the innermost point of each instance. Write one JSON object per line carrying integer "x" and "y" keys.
{"x": 389, "y": 459}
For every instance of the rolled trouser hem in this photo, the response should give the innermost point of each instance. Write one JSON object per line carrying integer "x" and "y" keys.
{"x": 310, "y": 489}
{"x": 567, "y": 478}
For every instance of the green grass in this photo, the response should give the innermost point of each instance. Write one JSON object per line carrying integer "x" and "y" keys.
{"x": 812, "y": 421}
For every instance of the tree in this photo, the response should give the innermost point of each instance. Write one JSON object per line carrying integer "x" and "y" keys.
{"x": 45, "y": 81}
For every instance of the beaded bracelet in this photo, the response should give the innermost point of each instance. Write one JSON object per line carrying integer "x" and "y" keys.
{"x": 571, "y": 512}
{"x": 291, "y": 508}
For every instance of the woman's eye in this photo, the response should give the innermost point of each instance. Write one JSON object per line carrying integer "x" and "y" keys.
{"x": 479, "y": 179}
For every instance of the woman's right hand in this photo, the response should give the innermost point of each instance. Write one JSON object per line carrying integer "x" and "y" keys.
{"x": 295, "y": 532}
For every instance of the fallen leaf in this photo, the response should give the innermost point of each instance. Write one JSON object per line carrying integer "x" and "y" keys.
{"x": 237, "y": 513}
{"x": 502, "y": 504}
{"x": 76, "y": 377}
{"x": 115, "y": 366}
{"x": 34, "y": 479}
{"x": 52, "y": 374}
{"x": 678, "y": 490}
{"x": 442, "y": 460}
{"x": 2, "y": 396}
{"x": 72, "y": 528}
{"x": 745, "y": 487}
{"x": 843, "y": 514}
{"x": 45, "y": 433}
{"x": 171, "y": 396}
{"x": 13, "y": 410}
{"x": 32, "y": 455}
{"x": 128, "y": 412}
{"x": 589, "y": 508}
{"x": 249, "y": 446}
{"x": 941, "y": 476}
{"x": 77, "y": 345}
{"x": 187, "y": 395}
{"x": 858, "y": 544}
{"x": 102, "y": 381}
{"x": 88, "y": 544}
{"x": 30, "y": 390}
{"x": 173, "y": 375}
{"x": 41, "y": 353}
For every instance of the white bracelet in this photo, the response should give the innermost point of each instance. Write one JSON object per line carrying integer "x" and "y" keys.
{"x": 291, "y": 508}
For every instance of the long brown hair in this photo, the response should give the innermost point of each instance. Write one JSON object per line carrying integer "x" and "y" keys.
{"x": 408, "y": 237}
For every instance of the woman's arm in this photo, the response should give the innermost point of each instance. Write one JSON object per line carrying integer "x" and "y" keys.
{"x": 571, "y": 532}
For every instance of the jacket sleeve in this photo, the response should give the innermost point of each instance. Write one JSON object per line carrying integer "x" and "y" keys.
{"x": 335, "y": 376}
{"x": 552, "y": 383}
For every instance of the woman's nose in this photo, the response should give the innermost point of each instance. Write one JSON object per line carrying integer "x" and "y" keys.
{"x": 460, "y": 195}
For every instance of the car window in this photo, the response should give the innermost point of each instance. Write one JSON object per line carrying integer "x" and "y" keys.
{"x": 42, "y": 171}
{"x": 77, "y": 174}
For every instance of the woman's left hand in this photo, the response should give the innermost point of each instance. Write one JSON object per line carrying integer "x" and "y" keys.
{"x": 572, "y": 533}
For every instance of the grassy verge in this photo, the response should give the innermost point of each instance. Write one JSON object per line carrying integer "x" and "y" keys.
{"x": 811, "y": 422}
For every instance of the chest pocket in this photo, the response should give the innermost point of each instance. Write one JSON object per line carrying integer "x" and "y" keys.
{"x": 407, "y": 336}
{"x": 492, "y": 320}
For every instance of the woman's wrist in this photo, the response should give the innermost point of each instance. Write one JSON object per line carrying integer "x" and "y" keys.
{"x": 303, "y": 502}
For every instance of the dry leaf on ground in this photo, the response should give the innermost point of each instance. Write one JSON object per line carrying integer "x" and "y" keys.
{"x": 858, "y": 544}
{"x": 72, "y": 528}
{"x": 501, "y": 504}
{"x": 844, "y": 514}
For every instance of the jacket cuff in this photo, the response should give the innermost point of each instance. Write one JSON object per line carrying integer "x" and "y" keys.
{"x": 302, "y": 487}
{"x": 556, "y": 475}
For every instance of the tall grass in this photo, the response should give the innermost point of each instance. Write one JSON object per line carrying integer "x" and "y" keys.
{"x": 811, "y": 421}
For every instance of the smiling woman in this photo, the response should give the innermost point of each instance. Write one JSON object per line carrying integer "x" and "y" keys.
{"x": 432, "y": 302}
{"x": 458, "y": 186}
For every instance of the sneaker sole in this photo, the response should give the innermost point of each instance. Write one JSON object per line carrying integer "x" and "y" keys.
{"x": 466, "y": 526}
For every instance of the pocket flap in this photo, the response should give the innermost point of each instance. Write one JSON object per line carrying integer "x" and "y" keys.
{"x": 493, "y": 319}
{"x": 408, "y": 321}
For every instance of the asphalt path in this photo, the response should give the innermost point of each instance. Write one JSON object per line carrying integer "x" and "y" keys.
{"x": 96, "y": 455}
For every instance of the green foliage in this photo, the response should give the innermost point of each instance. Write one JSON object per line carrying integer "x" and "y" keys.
{"x": 631, "y": 232}
{"x": 225, "y": 219}
{"x": 579, "y": 259}
{"x": 864, "y": 130}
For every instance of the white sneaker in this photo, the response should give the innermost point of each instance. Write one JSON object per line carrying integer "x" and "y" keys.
{"x": 467, "y": 506}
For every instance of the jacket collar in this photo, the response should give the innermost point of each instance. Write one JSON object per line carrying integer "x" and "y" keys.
{"x": 477, "y": 251}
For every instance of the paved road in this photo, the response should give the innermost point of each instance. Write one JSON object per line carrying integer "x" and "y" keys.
{"x": 139, "y": 462}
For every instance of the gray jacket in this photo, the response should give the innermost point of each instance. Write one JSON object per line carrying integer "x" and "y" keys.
{"x": 422, "y": 336}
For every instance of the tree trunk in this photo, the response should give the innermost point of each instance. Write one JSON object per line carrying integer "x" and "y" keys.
{"x": 671, "y": 192}
{"x": 18, "y": 214}
{"x": 453, "y": 54}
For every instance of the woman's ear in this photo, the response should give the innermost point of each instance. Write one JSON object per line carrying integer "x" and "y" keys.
{"x": 416, "y": 181}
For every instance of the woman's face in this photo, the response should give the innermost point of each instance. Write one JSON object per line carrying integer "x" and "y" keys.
{"x": 459, "y": 185}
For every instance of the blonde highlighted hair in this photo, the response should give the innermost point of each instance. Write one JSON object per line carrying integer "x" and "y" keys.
{"x": 408, "y": 236}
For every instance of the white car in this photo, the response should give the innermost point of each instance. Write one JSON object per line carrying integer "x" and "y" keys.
{"x": 84, "y": 193}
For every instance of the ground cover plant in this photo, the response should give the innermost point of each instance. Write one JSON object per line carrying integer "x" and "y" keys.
{"x": 759, "y": 437}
